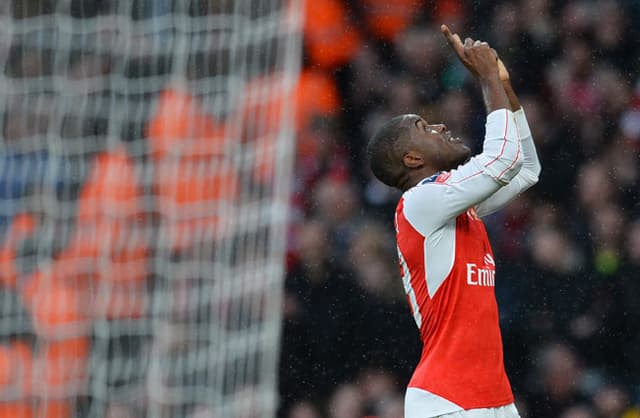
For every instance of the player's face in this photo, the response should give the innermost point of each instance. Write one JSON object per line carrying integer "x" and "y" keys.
{"x": 437, "y": 145}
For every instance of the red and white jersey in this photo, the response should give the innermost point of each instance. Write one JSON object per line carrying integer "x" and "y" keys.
{"x": 448, "y": 271}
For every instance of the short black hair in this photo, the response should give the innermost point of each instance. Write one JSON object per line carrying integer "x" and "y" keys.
{"x": 381, "y": 151}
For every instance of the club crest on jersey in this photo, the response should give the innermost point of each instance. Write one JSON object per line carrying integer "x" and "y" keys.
{"x": 483, "y": 275}
{"x": 489, "y": 260}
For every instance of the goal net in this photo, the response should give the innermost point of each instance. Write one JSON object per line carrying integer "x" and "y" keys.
{"x": 145, "y": 163}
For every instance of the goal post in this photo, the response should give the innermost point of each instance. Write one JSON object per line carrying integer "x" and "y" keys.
{"x": 146, "y": 165}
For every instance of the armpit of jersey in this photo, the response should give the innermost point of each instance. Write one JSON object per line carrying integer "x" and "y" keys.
{"x": 439, "y": 243}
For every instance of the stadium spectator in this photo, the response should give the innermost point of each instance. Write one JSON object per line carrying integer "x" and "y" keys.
{"x": 337, "y": 204}
{"x": 331, "y": 39}
{"x": 303, "y": 409}
{"x": 560, "y": 376}
{"x": 386, "y": 20}
{"x": 579, "y": 411}
{"x": 391, "y": 408}
{"x": 379, "y": 391}
{"x": 346, "y": 402}
{"x": 611, "y": 401}
{"x": 316, "y": 95}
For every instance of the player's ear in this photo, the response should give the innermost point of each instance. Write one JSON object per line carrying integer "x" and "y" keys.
{"x": 413, "y": 159}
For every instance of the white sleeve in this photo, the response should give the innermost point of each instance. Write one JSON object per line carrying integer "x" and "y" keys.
{"x": 527, "y": 177}
{"x": 431, "y": 204}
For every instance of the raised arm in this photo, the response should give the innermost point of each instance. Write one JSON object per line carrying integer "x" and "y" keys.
{"x": 443, "y": 197}
{"x": 528, "y": 174}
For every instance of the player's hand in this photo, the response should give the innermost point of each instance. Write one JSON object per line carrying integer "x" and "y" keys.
{"x": 456, "y": 44}
{"x": 482, "y": 58}
{"x": 462, "y": 51}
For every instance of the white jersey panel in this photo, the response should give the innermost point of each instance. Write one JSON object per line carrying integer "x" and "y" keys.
{"x": 439, "y": 255}
{"x": 420, "y": 403}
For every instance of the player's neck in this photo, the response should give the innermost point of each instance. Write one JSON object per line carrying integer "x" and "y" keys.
{"x": 412, "y": 178}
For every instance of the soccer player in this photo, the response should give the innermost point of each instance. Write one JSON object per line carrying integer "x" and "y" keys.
{"x": 446, "y": 261}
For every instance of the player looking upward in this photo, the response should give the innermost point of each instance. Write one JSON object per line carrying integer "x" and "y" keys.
{"x": 445, "y": 257}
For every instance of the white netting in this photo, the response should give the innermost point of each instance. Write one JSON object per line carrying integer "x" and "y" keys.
{"x": 145, "y": 164}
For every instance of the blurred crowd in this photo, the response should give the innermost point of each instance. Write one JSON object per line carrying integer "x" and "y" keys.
{"x": 89, "y": 219}
{"x": 567, "y": 251}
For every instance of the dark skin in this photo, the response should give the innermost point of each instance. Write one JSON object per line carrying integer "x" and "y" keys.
{"x": 430, "y": 148}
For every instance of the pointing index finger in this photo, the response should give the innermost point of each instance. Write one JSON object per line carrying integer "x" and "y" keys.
{"x": 445, "y": 31}
{"x": 447, "y": 34}
{"x": 456, "y": 43}
{"x": 452, "y": 39}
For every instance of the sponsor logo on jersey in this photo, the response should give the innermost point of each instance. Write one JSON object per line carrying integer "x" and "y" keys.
{"x": 482, "y": 275}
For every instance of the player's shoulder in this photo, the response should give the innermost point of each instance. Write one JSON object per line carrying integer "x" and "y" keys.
{"x": 425, "y": 195}
{"x": 421, "y": 205}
